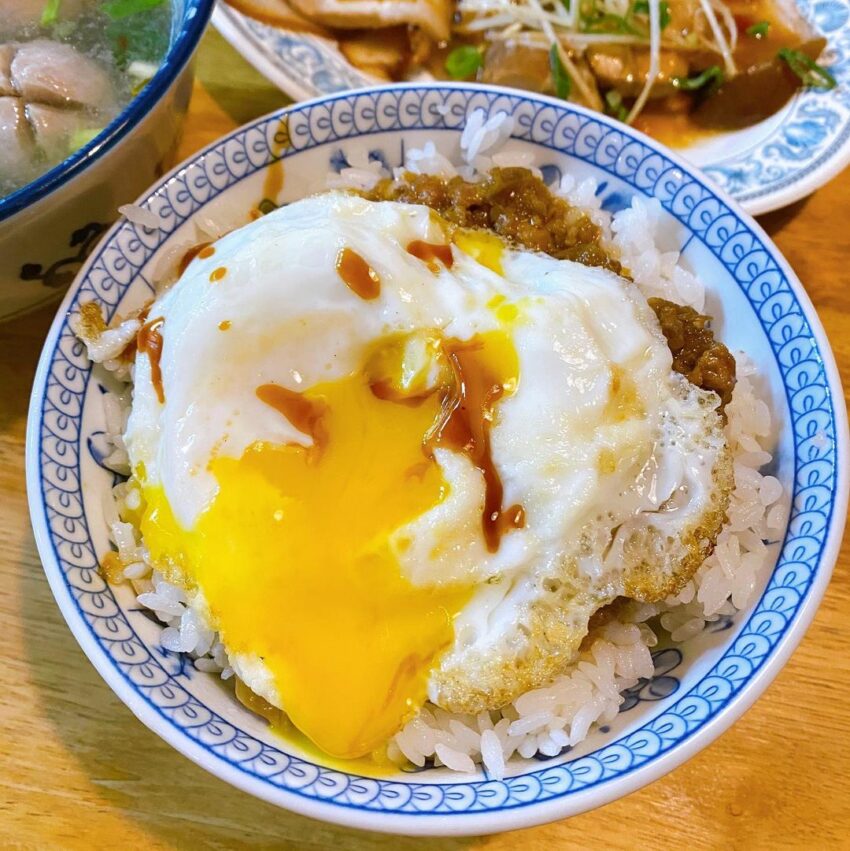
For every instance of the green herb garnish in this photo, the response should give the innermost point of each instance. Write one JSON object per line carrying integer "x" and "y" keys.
{"x": 82, "y": 137}
{"x": 712, "y": 77}
{"x": 51, "y": 13}
{"x": 560, "y": 78}
{"x": 117, "y": 9}
{"x": 139, "y": 85}
{"x": 608, "y": 24}
{"x": 614, "y": 105}
{"x": 641, "y": 7}
{"x": 807, "y": 69}
{"x": 463, "y": 62}
{"x": 758, "y": 30}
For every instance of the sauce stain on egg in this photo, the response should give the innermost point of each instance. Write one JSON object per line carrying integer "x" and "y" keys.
{"x": 429, "y": 252}
{"x": 202, "y": 250}
{"x": 358, "y": 275}
{"x": 307, "y": 415}
{"x": 274, "y": 177}
{"x": 149, "y": 340}
{"x": 467, "y": 414}
{"x": 477, "y": 373}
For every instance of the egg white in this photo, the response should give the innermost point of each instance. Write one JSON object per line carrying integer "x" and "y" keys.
{"x": 293, "y": 323}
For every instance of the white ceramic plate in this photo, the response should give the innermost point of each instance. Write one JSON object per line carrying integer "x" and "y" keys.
{"x": 699, "y": 687}
{"x": 764, "y": 167}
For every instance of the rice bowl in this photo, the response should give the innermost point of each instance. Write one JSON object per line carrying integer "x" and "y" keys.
{"x": 621, "y": 655}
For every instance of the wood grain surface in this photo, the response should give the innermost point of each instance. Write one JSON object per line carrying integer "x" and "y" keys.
{"x": 77, "y": 770}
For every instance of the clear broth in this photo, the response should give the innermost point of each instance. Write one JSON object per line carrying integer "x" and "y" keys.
{"x": 118, "y": 47}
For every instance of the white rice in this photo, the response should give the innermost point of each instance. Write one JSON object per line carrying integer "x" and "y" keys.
{"x": 141, "y": 216}
{"x": 546, "y": 720}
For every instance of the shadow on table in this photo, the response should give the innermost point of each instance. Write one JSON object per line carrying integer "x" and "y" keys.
{"x": 240, "y": 90}
{"x": 774, "y": 222}
{"x": 20, "y": 344}
{"x": 138, "y": 775}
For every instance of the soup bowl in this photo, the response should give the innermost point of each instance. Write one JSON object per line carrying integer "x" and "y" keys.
{"x": 699, "y": 687}
{"x": 49, "y": 226}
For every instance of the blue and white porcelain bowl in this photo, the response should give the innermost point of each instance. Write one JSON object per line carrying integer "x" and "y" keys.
{"x": 698, "y": 690}
{"x": 48, "y": 227}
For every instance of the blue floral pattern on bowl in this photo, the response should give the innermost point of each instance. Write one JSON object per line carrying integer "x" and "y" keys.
{"x": 123, "y": 644}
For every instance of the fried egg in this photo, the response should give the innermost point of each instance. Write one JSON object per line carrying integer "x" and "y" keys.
{"x": 394, "y": 461}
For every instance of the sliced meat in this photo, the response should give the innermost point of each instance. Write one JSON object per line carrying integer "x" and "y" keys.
{"x": 682, "y": 15}
{"x": 523, "y": 63}
{"x": 384, "y": 54}
{"x": 433, "y": 16}
{"x": 278, "y": 13}
{"x": 757, "y": 93}
{"x": 52, "y": 127}
{"x": 53, "y": 73}
{"x": 514, "y": 63}
{"x": 625, "y": 68}
{"x": 17, "y": 148}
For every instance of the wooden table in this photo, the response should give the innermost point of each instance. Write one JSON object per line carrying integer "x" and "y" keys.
{"x": 78, "y": 770}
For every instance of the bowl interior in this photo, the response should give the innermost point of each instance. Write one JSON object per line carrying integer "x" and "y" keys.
{"x": 698, "y": 687}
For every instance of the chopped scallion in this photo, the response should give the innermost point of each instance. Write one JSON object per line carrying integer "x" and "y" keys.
{"x": 117, "y": 9}
{"x": 609, "y": 24}
{"x": 641, "y": 7}
{"x": 712, "y": 76}
{"x": 51, "y": 13}
{"x": 614, "y": 105}
{"x": 807, "y": 69}
{"x": 464, "y": 62}
{"x": 82, "y": 137}
{"x": 560, "y": 78}
{"x": 758, "y": 30}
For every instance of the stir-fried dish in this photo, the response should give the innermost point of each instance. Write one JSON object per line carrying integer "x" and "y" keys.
{"x": 67, "y": 68}
{"x": 673, "y": 68}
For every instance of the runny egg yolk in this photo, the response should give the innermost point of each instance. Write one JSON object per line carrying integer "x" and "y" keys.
{"x": 293, "y": 555}
{"x": 486, "y": 248}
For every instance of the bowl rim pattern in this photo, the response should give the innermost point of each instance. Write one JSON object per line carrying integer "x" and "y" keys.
{"x": 762, "y": 645}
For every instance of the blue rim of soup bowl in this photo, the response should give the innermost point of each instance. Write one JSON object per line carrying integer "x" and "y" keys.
{"x": 470, "y": 806}
{"x": 196, "y": 15}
